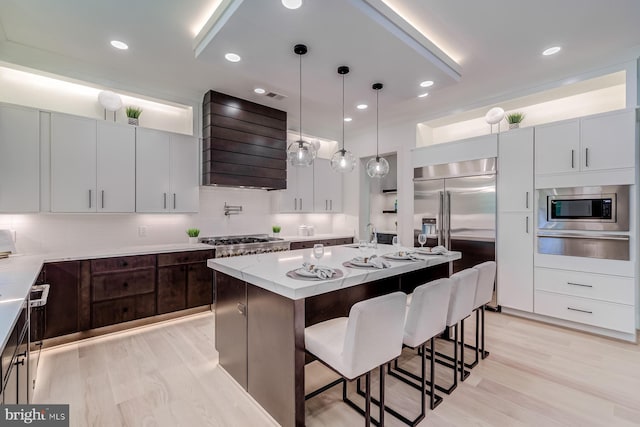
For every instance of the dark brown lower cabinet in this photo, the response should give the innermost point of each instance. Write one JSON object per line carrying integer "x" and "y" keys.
{"x": 172, "y": 288}
{"x": 120, "y": 310}
{"x": 184, "y": 280}
{"x": 63, "y": 303}
{"x": 199, "y": 285}
{"x": 306, "y": 244}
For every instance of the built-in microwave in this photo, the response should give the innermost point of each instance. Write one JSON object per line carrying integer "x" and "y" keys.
{"x": 601, "y": 208}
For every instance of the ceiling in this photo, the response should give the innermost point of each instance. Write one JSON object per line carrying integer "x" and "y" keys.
{"x": 497, "y": 45}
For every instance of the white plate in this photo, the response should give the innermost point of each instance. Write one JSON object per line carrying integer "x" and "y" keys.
{"x": 305, "y": 273}
{"x": 360, "y": 263}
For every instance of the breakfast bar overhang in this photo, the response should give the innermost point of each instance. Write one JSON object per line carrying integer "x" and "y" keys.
{"x": 261, "y": 314}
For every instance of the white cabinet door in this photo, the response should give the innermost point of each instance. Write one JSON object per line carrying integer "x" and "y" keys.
{"x": 19, "y": 160}
{"x": 335, "y": 195}
{"x": 184, "y": 174}
{"x": 608, "y": 141}
{"x": 515, "y": 261}
{"x": 305, "y": 189}
{"x": 152, "y": 170}
{"x": 286, "y": 201}
{"x": 515, "y": 170}
{"x": 116, "y": 167}
{"x": 73, "y": 164}
{"x": 558, "y": 147}
{"x": 322, "y": 185}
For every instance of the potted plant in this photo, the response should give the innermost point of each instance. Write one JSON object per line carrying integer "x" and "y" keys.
{"x": 193, "y": 234}
{"x": 514, "y": 120}
{"x": 133, "y": 113}
{"x": 276, "y": 230}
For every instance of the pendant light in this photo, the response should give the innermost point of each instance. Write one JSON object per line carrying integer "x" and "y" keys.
{"x": 379, "y": 166}
{"x": 301, "y": 153}
{"x": 342, "y": 160}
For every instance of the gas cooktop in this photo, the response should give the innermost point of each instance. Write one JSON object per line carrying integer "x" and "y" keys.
{"x": 245, "y": 245}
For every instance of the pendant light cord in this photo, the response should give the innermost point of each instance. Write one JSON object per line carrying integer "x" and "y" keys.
{"x": 343, "y": 114}
{"x": 300, "y": 142}
{"x": 377, "y": 124}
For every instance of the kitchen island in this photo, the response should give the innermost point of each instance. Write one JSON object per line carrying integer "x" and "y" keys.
{"x": 261, "y": 314}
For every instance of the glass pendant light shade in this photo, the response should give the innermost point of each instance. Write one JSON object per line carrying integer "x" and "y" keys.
{"x": 343, "y": 161}
{"x": 377, "y": 167}
{"x": 301, "y": 153}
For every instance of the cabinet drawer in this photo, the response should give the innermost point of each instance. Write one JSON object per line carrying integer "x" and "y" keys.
{"x": 184, "y": 257}
{"x": 122, "y": 310}
{"x": 596, "y": 286}
{"x": 116, "y": 285}
{"x": 122, "y": 263}
{"x": 304, "y": 244}
{"x": 344, "y": 241}
{"x": 602, "y": 314}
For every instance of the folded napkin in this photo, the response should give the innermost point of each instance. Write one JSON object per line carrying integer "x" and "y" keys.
{"x": 321, "y": 271}
{"x": 375, "y": 261}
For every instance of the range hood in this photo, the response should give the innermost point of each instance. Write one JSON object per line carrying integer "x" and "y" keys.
{"x": 244, "y": 143}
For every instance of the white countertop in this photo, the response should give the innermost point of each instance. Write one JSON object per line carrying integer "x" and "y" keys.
{"x": 268, "y": 271}
{"x": 19, "y": 272}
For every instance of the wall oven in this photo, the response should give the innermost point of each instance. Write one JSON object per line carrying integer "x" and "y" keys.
{"x": 588, "y": 222}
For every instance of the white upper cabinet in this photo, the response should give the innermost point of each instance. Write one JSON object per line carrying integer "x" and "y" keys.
{"x": 116, "y": 166}
{"x": 19, "y": 160}
{"x": 184, "y": 174}
{"x": 558, "y": 147}
{"x": 298, "y": 196}
{"x": 327, "y": 187}
{"x": 515, "y": 171}
{"x": 608, "y": 141}
{"x": 73, "y": 164}
{"x": 92, "y": 165}
{"x": 166, "y": 172}
{"x": 605, "y": 141}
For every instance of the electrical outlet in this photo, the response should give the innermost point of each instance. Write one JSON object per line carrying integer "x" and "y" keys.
{"x": 142, "y": 231}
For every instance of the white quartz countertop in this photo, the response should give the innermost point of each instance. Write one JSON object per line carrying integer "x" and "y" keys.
{"x": 19, "y": 272}
{"x": 269, "y": 270}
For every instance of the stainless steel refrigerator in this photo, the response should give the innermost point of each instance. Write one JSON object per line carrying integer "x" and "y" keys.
{"x": 455, "y": 204}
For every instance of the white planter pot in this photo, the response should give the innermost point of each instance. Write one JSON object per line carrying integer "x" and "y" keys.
{"x": 193, "y": 240}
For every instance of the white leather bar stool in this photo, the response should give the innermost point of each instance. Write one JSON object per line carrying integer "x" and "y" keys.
{"x": 484, "y": 294}
{"x": 369, "y": 338}
{"x": 463, "y": 292}
{"x": 426, "y": 318}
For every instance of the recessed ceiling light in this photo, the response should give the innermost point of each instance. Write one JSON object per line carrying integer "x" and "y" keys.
{"x": 426, "y": 83}
{"x": 551, "y": 51}
{"x": 362, "y": 106}
{"x": 259, "y": 90}
{"x": 292, "y": 4}
{"x": 119, "y": 45}
{"x": 347, "y": 119}
{"x": 232, "y": 57}
{"x": 422, "y": 95}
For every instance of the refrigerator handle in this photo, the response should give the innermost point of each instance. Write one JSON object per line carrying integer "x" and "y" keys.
{"x": 448, "y": 240}
{"x": 440, "y": 219}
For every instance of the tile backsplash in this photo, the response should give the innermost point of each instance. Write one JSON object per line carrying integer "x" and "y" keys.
{"x": 47, "y": 232}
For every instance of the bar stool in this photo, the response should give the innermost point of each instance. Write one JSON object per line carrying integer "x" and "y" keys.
{"x": 463, "y": 293}
{"x": 484, "y": 294}
{"x": 426, "y": 318}
{"x": 352, "y": 347}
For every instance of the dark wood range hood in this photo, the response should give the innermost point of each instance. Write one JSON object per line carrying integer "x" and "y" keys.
{"x": 244, "y": 143}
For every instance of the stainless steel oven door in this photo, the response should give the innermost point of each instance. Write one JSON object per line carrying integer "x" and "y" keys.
{"x": 597, "y": 208}
{"x": 603, "y": 246}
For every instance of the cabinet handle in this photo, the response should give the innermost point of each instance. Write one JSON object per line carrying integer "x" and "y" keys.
{"x": 295, "y": 203}
{"x": 586, "y": 157}
{"x": 526, "y": 200}
{"x": 572, "y": 159}
{"x": 125, "y": 284}
{"x": 330, "y": 205}
{"x": 527, "y": 225}
{"x": 242, "y": 309}
{"x": 125, "y": 309}
{"x": 174, "y": 200}
{"x": 19, "y": 362}
{"x": 125, "y": 263}
{"x": 89, "y": 199}
{"x": 102, "y": 197}
{"x": 579, "y": 284}
{"x": 326, "y": 205}
{"x": 165, "y": 200}
{"x": 581, "y": 311}
{"x": 300, "y": 203}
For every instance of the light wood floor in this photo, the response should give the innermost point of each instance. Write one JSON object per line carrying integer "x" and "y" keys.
{"x": 168, "y": 375}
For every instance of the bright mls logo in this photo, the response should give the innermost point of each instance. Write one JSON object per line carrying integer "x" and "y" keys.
{"x": 36, "y": 415}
